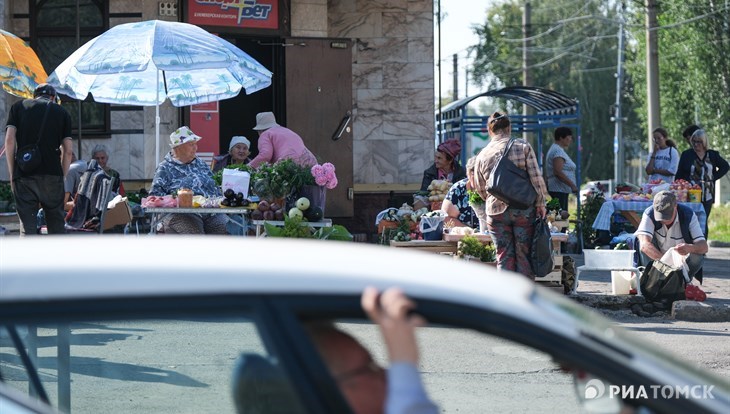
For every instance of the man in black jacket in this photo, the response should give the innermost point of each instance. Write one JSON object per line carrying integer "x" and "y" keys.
{"x": 39, "y": 120}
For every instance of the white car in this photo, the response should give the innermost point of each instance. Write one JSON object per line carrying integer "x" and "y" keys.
{"x": 154, "y": 324}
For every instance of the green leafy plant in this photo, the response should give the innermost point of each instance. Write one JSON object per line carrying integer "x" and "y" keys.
{"x": 474, "y": 197}
{"x": 294, "y": 228}
{"x": 6, "y": 192}
{"x": 588, "y": 213}
{"x": 553, "y": 205}
{"x": 471, "y": 246}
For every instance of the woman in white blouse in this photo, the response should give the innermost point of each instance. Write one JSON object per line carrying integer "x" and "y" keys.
{"x": 559, "y": 168}
{"x": 662, "y": 163}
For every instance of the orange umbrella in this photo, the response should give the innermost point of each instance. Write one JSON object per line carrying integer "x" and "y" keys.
{"x": 20, "y": 69}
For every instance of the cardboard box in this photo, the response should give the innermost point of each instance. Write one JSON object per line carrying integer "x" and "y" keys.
{"x": 118, "y": 212}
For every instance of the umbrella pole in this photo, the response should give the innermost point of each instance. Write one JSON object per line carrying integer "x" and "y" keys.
{"x": 157, "y": 121}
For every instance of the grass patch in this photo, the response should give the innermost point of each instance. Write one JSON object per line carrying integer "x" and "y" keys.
{"x": 719, "y": 226}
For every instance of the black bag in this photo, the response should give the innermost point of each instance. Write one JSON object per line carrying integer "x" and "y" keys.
{"x": 511, "y": 183}
{"x": 662, "y": 283}
{"x": 29, "y": 157}
{"x": 541, "y": 252}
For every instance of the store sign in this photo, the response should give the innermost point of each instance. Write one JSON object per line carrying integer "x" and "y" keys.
{"x": 256, "y": 14}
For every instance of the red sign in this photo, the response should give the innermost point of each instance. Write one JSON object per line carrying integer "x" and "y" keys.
{"x": 257, "y": 14}
{"x": 205, "y": 107}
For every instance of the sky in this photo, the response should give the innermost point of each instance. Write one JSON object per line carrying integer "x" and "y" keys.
{"x": 456, "y": 37}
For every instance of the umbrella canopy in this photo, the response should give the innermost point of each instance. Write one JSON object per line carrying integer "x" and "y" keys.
{"x": 147, "y": 62}
{"x": 123, "y": 64}
{"x": 20, "y": 69}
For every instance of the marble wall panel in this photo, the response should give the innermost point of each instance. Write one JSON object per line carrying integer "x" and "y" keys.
{"x": 124, "y": 6}
{"x": 381, "y": 50}
{"x": 309, "y": 19}
{"x": 420, "y": 6}
{"x": 355, "y": 25}
{"x": 370, "y": 101}
{"x": 367, "y": 6}
{"x": 414, "y": 156}
{"x": 127, "y": 119}
{"x": 367, "y": 127}
{"x": 420, "y": 25}
{"x": 395, "y": 24}
{"x": 420, "y": 50}
{"x": 367, "y": 76}
{"x": 342, "y": 6}
{"x": 137, "y": 156}
{"x": 375, "y": 162}
{"x": 409, "y": 126}
{"x": 412, "y": 75}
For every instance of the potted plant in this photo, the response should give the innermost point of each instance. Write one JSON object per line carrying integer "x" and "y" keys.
{"x": 6, "y": 195}
{"x": 471, "y": 249}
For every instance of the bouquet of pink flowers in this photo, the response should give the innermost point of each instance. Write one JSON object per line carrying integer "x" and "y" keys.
{"x": 324, "y": 175}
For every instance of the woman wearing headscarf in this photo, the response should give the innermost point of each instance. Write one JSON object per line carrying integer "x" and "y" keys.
{"x": 238, "y": 151}
{"x": 703, "y": 166}
{"x": 511, "y": 228}
{"x": 446, "y": 164}
{"x": 662, "y": 163}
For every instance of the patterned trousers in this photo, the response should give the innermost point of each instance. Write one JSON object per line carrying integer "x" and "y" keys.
{"x": 511, "y": 234}
{"x": 195, "y": 224}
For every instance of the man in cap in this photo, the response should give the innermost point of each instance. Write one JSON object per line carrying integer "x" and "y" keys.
{"x": 238, "y": 151}
{"x": 277, "y": 143}
{"x": 182, "y": 168}
{"x": 43, "y": 122}
{"x": 668, "y": 225}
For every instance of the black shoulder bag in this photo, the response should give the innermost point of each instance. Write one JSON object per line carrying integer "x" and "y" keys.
{"x": 511, "y": 183}
{"x": 29, "y": 157}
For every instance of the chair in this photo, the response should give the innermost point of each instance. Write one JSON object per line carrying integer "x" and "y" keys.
{"x": 90, "y": 204}
{"x": 261, "y": 386}
{"x": 616, "y": 261}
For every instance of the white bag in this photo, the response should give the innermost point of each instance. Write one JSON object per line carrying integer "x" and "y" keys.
{"x": 236, "y": 180}
{"x": 675, "y": 259}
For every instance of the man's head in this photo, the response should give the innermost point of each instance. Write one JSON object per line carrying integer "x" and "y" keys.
{"x": 44, "y": 90}
{"x": 359, "y": 378}
{"x": 687, "y": 133}
{"x": 665, "y": 206}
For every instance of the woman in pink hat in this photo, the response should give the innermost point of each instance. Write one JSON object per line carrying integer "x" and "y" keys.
{"x": 446, "y": 164}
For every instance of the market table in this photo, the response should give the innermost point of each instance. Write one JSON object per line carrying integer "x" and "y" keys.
{"x": 157, "y": 212}
{"x": 314, "y": 224}
{"x": 434, "y": 246}
{"x": 633, "y": 210}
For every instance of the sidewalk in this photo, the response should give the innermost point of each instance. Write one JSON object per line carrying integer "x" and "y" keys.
{"x": 594, "y": 289}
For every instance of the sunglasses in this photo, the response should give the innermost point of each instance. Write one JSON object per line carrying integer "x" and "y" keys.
{"x": 695, "y": 142}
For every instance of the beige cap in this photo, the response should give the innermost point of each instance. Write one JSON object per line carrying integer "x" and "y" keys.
{"x": 265, "y": 120}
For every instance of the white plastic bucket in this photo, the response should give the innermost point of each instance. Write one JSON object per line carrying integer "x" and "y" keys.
{"x": 621, "y": 282}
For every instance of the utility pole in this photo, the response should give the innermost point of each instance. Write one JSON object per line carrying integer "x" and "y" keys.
{"x": 618, "y": 144}
{"x": 526, "y": 80}
{"x": 652, "y": 70}
{"x": 456, "y": 77}
{"x": 466, "y": 81}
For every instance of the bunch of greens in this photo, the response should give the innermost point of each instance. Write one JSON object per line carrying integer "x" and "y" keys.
{"x": 471, "y": 246}
{"x": 273, "y": 181}
{"x": 474, "y": 197}
{"x": 293, "y": 228}
{"x": 553, "y": 205}
{"x": 6, "y": 193}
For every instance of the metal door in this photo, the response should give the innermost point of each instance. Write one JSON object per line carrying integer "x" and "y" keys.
{"x": 318, "y": 107}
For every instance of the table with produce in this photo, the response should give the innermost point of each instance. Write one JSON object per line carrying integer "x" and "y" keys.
{"x": 630, "y": 201}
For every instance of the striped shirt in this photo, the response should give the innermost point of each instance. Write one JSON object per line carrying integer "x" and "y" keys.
{"x": 522, "y": 155}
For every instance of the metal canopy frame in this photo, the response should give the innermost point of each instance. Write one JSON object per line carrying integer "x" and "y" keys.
{"x": 552, "y": 110}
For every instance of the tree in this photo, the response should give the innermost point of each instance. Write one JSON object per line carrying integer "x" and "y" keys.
{"x": 574, "y": 52}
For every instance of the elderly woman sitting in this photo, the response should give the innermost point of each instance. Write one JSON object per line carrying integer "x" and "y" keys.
{"x": 456, "y": 204}
{"x": 182, "y": 168}
{"x": 101, "y": 155}
{"x": 238, "y": 151}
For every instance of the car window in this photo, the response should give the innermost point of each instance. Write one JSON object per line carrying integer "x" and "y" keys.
{"x": 466, "y": 371}
{"x": 143, "y": 366}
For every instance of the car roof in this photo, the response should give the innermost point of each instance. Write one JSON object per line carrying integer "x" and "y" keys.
{"x": 64, "y": 267}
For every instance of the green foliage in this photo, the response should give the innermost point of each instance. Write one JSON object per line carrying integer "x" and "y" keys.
{"x": 471, "y": 246}
{"x": 293, "y": 228}
{"x": 6, "y": 192}
{"x": 577, "y": 58}
{"x": 589, "y": 211}
{"x": 553, "y": 204}
{"x": 474, "y": 197}
{"x": 719, "y": 225}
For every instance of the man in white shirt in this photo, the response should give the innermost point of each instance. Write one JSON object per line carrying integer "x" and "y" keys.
{"x": 668, "y": 225}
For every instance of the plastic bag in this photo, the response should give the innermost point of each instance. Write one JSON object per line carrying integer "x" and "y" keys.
{"x": 541, "y": 253}
{"x": 432, "y": 228}
{"x": 675, "y": 259}
{"x": 236, "y": 180}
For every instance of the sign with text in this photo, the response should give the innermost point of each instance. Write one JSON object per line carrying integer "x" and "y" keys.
{"x": 255, "y": 14}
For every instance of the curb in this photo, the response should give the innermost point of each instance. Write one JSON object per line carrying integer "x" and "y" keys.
{"x": 687, "y": 310}
{"x": 718, "y": 243}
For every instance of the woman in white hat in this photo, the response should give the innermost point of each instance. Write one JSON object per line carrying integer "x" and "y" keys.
{"x": 182, "y": 168}
{"x": 238, "y": 151}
